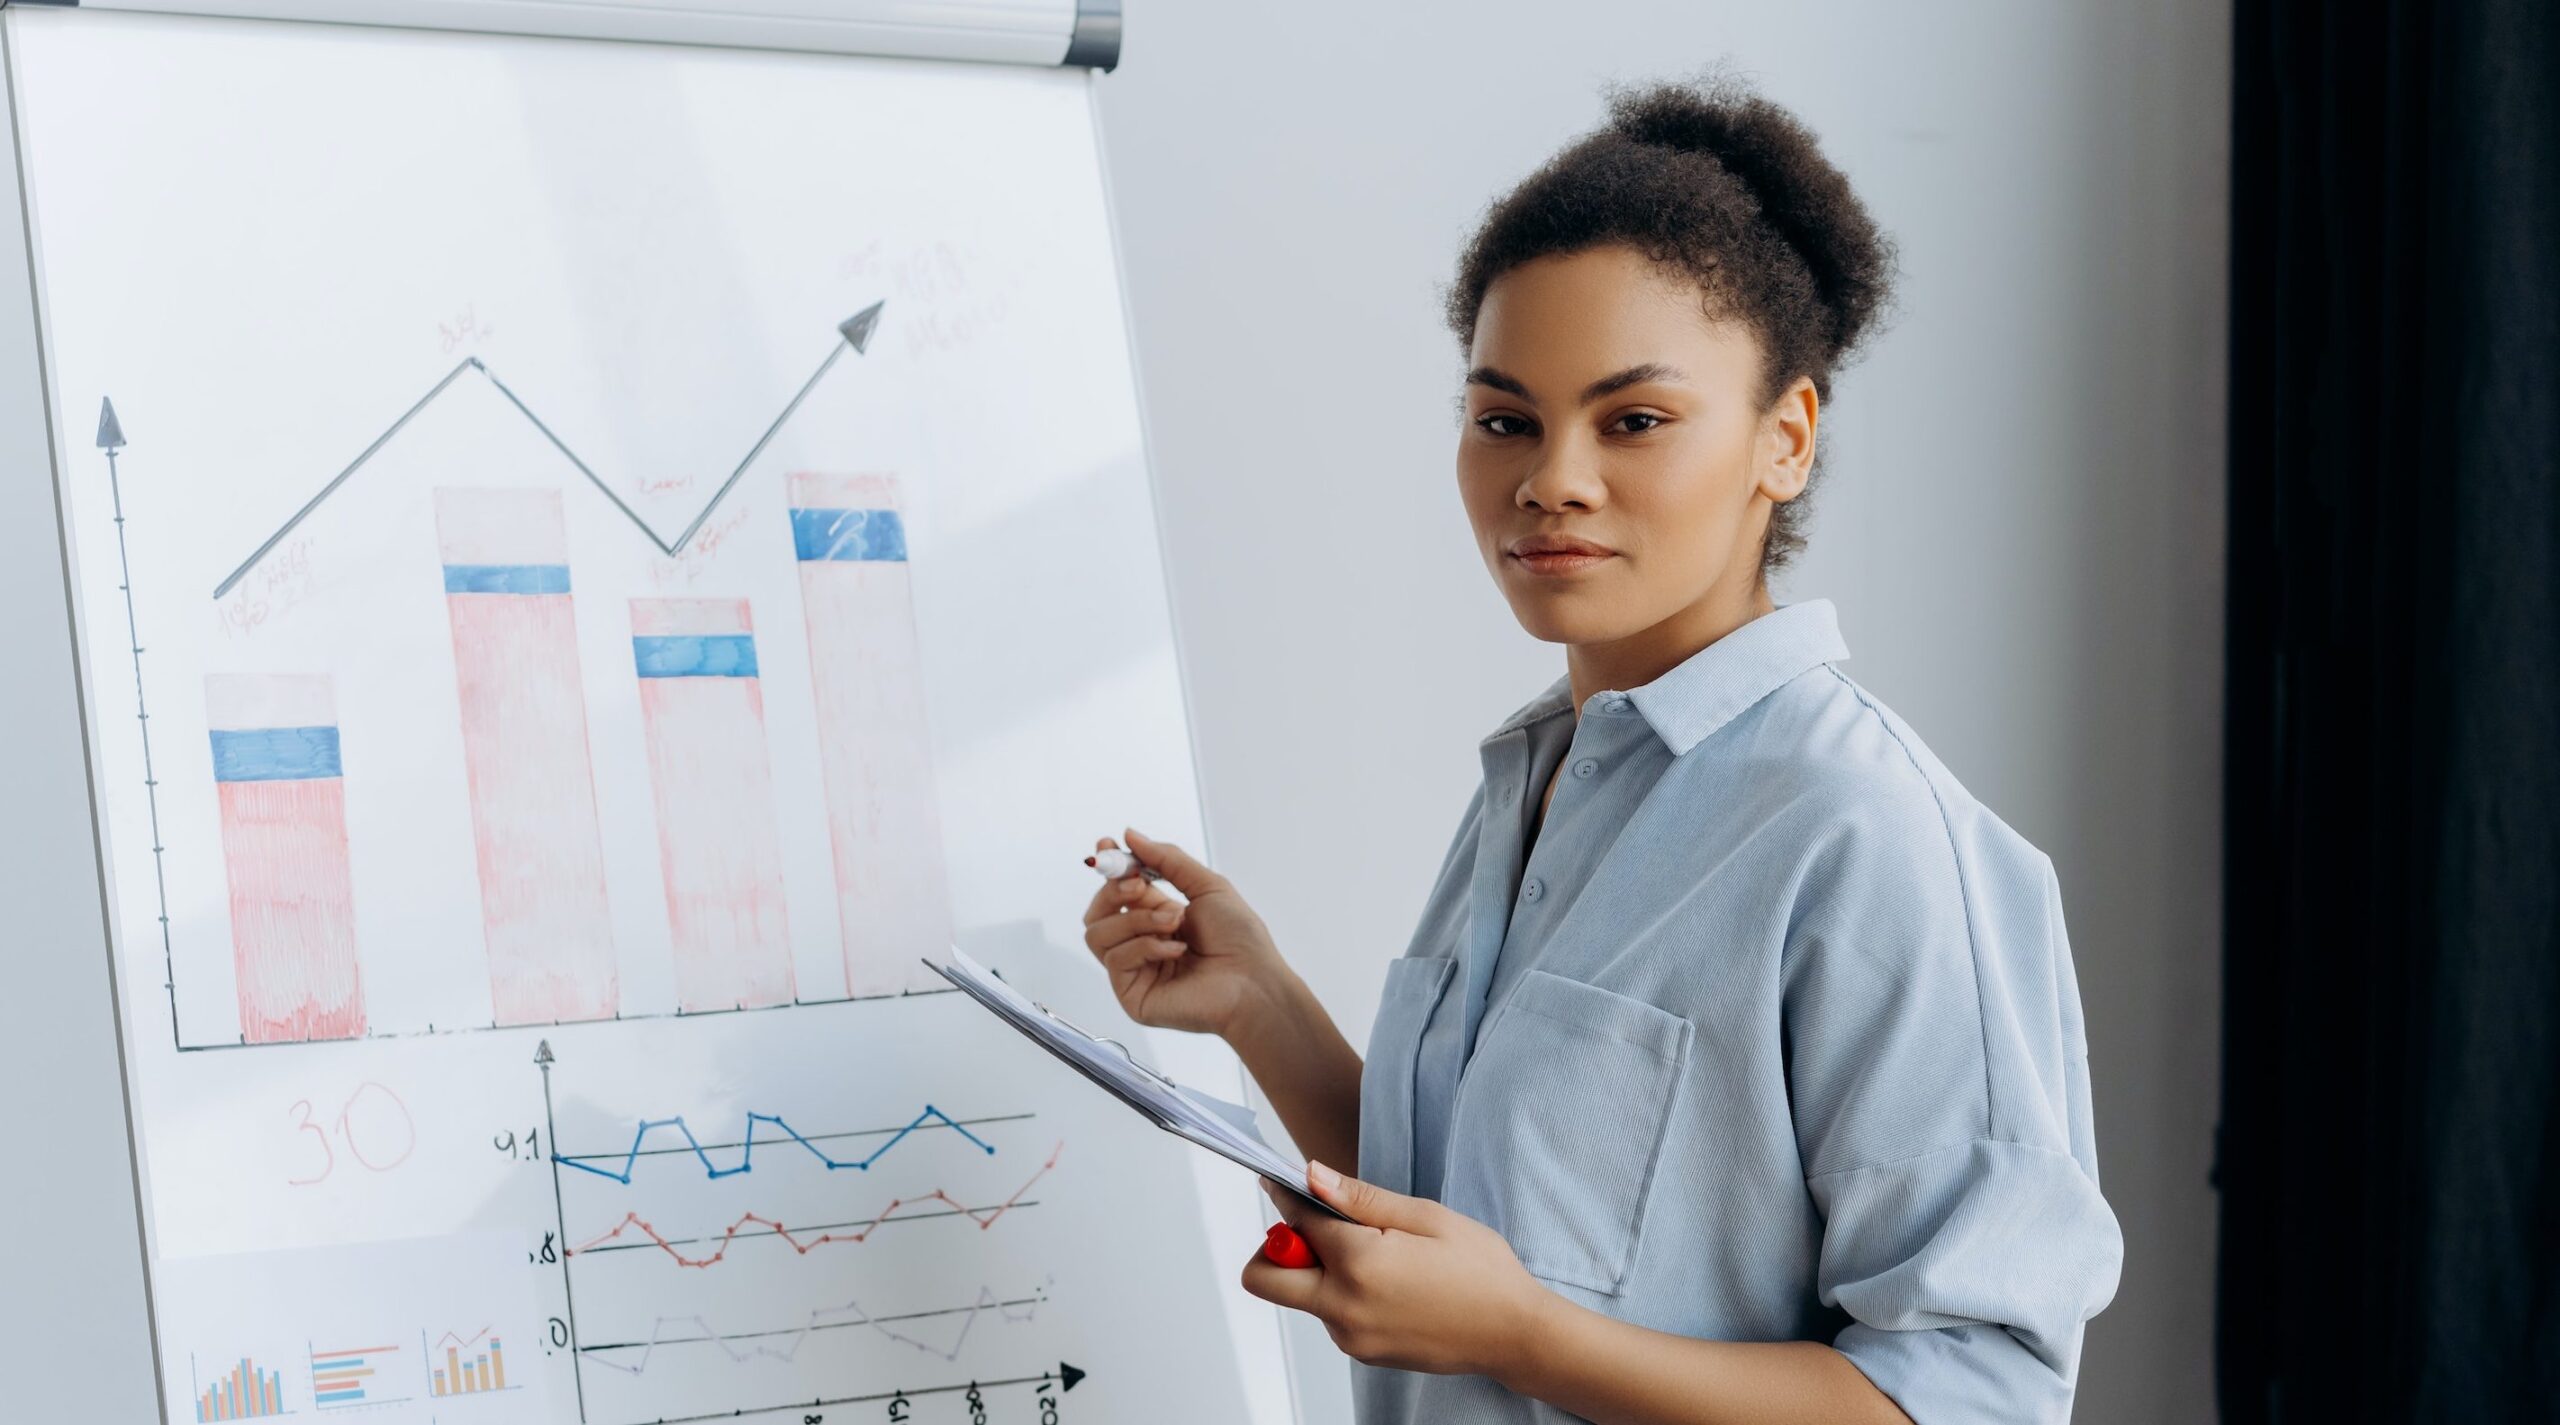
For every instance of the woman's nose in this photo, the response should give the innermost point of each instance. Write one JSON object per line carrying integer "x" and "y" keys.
{"x": 1561, "y": 480}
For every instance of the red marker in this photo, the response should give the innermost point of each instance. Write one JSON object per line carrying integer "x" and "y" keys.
{"x": 1283, "y": 1245}
{"x": 1116, "y": 864}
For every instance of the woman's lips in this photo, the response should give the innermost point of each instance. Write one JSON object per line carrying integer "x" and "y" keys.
{"x": 1559, "y": 562}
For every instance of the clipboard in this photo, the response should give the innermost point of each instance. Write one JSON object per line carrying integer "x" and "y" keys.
{"x": 1226, "y": 1129}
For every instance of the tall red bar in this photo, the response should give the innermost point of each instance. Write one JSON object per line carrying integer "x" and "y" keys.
{"x": 883, "y": 815}
{"x": 283, "y": 804}
{"x": 702, "y": 711}
{"x": 524, "y": 743}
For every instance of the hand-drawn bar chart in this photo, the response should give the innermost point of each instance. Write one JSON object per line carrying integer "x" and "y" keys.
{"x": 246, "y": 1392}
{"x": 350, "y": 1376}
{"x": 473, "y": 1365}
{"x": 762, "y": 880}
{"x": 284, "y": 845}
{"x": 524, "y": 738}
{"x": 702, "y": 710}
{"x": 873, "y": 739}
{"x": 381, "y": 1331}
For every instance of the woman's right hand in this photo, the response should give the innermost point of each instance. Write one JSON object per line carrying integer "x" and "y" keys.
{"x": 1200, "y": 966}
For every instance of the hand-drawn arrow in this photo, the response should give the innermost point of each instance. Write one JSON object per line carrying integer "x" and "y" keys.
{"x": 854, "y": 332}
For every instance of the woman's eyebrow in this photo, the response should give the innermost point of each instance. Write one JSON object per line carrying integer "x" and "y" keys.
{"x": 1632, "y": 376}
{"x": 1616, "y": 381}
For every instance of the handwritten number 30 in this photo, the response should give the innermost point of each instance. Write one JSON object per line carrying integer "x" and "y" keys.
{"x": 390, "y": 1143}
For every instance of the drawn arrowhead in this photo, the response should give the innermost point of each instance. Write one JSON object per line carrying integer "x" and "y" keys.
{"x": 858, "y": 328}
{"x": 542, "y": 1053}
{"x": 1070, "y": 1375}
{"x": 111, "y": 431}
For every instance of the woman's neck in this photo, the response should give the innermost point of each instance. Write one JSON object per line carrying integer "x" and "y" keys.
{"x": 1639, "y": 658}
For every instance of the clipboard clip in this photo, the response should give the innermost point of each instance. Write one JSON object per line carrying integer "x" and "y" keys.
{"x": 1106, "y": 1039}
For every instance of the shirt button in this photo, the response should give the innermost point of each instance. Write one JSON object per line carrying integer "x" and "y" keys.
{"x": 1613, "y": 703}
{"x": 1532, "y": 890}
{"x": 1586, "y": 766}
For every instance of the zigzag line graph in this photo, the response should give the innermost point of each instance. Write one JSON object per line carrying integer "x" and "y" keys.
{"x": 984, "y": 1217}
{"x": 746, "y": 1155}
{"x": 854, "y": 331}
{"x": 830, "y": 1318}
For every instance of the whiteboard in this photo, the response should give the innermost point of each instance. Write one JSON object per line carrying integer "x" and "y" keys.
{"x": 588, "y": 560}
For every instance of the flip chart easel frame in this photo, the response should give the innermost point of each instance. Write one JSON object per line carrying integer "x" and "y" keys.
{"x": 87, "y": 1322}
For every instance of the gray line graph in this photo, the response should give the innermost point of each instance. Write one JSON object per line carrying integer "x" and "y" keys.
{"x": 854, "y": 332}
{"x": 744, "y": 1346}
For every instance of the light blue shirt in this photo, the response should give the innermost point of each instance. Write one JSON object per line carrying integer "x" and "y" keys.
{"x": 1772, "y": 1034}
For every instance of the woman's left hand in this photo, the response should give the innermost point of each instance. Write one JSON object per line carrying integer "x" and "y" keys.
{"x": 1405, "y": 1283}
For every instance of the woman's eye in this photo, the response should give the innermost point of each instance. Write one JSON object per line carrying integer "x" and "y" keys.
{"x": 1499, "y": 423}
{"x": 1637, "y": 422}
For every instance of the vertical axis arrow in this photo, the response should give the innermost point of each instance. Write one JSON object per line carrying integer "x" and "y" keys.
{"x": 111, "y": 440}
{"x": 560, "y": 1213}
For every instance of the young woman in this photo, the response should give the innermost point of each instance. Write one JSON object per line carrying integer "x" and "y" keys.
{"x": 1736, "y": 1070}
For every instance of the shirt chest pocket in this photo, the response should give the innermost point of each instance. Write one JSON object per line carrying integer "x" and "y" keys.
{"x": 1559, "y": 1125}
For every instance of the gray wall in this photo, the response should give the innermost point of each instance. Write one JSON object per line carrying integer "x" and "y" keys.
{"x": 2021, "y": 522}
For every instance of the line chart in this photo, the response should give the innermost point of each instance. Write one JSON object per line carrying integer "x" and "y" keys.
{"x": 854, "y": 332}
{"x": 944, "y": 1326}
{"x": 586, "y": 1162}
{"x": 825, "y": 1318}
{"x": 984, "y": 1217}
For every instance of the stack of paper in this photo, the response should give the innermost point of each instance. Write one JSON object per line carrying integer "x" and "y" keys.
{"x": 1227, "y": 1129}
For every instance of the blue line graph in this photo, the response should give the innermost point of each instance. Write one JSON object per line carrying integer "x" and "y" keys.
{"x": 747, "y": 1150}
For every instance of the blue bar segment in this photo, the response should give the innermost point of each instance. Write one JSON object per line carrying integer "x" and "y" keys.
{"x": 695, "y": 655}
{"x": 849, "y": 534}
{"x": 275, "y": 754}
{"x": 506, "y": 578}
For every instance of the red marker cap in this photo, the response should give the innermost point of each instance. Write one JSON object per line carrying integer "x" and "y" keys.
{"x": 1283, "y": 1245}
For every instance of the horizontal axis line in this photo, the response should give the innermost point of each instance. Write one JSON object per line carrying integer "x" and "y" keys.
{"x": 982, "y": 1385}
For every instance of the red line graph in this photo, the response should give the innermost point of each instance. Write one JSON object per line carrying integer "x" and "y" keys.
{"x": 461, "y": 1343}
{"x": 984, "y": 1217}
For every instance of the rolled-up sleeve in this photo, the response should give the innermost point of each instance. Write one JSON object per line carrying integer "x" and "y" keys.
{"x": 1938, "y": 1073}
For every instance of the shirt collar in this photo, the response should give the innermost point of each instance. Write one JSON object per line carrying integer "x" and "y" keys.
{"x": 1716, "y": 684}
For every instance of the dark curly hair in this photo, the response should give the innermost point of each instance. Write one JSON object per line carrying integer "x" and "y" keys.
{"x": 1728, "y": 190}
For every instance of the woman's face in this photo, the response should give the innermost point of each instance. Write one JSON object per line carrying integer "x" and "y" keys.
{"x": 1616, "y": 462}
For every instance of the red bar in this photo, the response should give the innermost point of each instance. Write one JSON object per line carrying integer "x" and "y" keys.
{"x": 875, "y": 748}
{"x": 524, "y": 742}
{"x": 285, "y": 858}
{"x": 702, "y": 710}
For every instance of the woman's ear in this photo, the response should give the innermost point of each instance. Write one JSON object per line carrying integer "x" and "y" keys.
{"x": 1786, "y": 441}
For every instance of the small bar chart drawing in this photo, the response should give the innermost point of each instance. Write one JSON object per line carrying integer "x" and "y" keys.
{"x": 283, "y": 805}
{"x": 524, "y": 738}
{"x": 247, "y": 1391}
{"x": 702, "y": 713}
{"x": 349, "y": 1376}
{"x": 874, "y": 746}
{"x": 475, "y": 1366}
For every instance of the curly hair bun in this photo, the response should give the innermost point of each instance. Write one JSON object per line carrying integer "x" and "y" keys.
{"x": 1801, "y": 194}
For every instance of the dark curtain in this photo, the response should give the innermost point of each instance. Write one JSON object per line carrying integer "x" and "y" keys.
{"x": 2389, "y": 1151}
